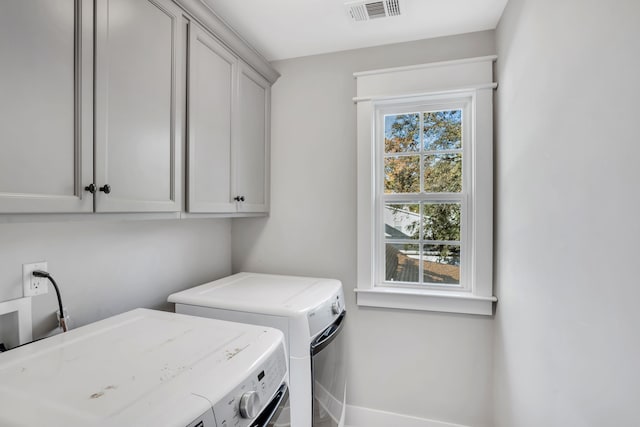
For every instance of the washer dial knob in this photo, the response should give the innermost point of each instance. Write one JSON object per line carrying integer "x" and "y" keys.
{"x": 335, "y": 307}
{"x": 249, "y": 404}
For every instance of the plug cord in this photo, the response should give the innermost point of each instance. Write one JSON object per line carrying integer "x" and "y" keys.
{"x": 62, "y": 321}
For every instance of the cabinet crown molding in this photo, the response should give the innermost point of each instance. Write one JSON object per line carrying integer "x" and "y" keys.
{"x": 204, "y": 15}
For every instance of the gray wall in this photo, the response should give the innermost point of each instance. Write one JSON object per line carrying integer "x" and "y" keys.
{"x": 431, "y": 365}
{"x": 567, "y": 343}
{"x": 108, "y": 267}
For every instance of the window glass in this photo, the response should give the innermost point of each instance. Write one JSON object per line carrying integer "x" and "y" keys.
{"x": 402, "y": 133}
{"x": 441, "y": 221}
{"x": 443, "y": 173}
{"x": 441, "y": 264}
{"x": 402, "y": 174}
{"x": 402, "y": 221}
{"x": 422, "y": 158}
{"x": 442, "y": 130}
{"x": 402, "y": 263}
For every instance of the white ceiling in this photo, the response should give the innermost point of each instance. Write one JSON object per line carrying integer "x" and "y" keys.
{"x": 281, "y": 29}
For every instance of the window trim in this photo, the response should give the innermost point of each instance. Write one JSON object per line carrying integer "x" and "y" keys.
{"x": 475, "y": 295}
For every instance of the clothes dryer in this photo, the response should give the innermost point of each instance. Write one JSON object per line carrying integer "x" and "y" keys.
{"x": 310, "y": 312}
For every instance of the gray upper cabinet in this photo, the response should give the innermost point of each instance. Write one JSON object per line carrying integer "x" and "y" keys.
{"x": 212, "y": 87}
{"x": 46, "y": 105}
{"x": 228, "y": 130}
{"x": 138, "y": 102}
{"x": 94, "y": 114}
{"x": 251, "y": 142}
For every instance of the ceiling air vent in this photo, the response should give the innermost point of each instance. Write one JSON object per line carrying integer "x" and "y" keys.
{"x": 367, "y": 10}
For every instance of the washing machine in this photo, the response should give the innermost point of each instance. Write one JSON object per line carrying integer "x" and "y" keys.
{"x": 147, "y": 368}
{"x": 310, "y": 312}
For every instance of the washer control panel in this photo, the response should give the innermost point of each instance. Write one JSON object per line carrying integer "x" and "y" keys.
{"x": 248, "y": 399}
{"x": 204, "y": 420}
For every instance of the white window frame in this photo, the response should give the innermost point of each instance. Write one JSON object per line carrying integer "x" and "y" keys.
{"x": 401, "y": 106}
{"x": 467, "y": 85}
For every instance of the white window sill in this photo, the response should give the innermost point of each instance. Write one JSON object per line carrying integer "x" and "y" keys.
{"x": 416, "y": 299}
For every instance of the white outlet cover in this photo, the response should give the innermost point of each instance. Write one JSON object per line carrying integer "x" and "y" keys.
{"x": 32, "y": 286}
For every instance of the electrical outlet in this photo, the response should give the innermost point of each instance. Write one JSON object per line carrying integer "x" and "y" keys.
{"x": 31, "y": 285}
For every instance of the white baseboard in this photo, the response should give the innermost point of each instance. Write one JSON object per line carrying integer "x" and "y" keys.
{"x": 358, "y": 416}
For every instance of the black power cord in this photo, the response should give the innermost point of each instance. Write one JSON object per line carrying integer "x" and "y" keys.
{"x": 40, "y": 273}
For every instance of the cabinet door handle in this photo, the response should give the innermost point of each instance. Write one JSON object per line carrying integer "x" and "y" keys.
{"x": 239, "y": 198}
{"x": 91, "y": 188}
{"x": 242, "y": 198}
{"x": 106, "y": 189}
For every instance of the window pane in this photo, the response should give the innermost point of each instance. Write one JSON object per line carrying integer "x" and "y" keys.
{"x": 441, "y": 221}
{"x": 402, "y": 174}
{"x": 441, "y": 264}
{"x": 443, "y": 173}
{"x": 402, "y": 263}
{"x": 402, "y": 221}
{"x": 443, "y": 130}
{"x": 402, "y": 133}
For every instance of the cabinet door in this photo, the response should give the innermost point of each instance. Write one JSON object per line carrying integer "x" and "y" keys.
{"x": 139, "y": 119}
{"x": 251, "y": 144}
{"x": 46, "y": 105}
{"x": 212, "y": 76}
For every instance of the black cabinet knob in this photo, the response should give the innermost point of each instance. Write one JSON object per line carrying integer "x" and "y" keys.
{"x": 106, "y": 189}
{"x": 239, "y": 198}
{"x": 242, "y": 198}
{"x": 91, "y": 188}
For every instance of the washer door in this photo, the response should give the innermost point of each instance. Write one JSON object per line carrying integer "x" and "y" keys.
{"x": 328, "y": 368}
{"x": 271, "y": 412}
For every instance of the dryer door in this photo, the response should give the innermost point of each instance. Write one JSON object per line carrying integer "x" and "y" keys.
{"x": 329, "y": 375}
